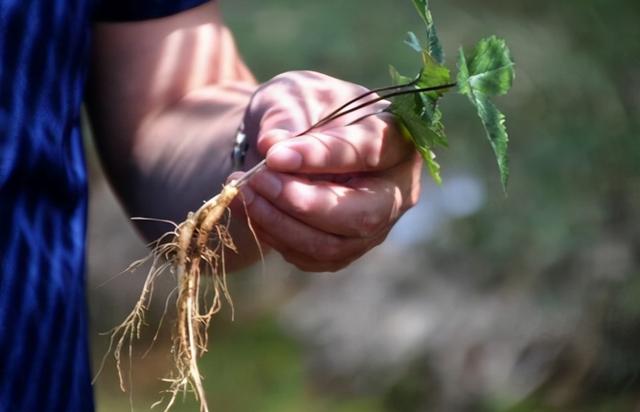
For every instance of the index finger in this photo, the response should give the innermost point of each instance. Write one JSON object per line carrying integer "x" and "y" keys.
{"x": 372, "y": 144}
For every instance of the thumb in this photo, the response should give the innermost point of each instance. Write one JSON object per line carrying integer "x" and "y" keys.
{"x": 270, "y": 138}
{"x": 284, "y": 157}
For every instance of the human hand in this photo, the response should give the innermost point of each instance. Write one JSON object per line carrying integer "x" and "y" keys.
{"x": 332, "y": 194}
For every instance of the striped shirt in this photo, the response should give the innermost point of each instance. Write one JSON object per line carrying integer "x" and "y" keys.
{"x": 44, "y": 49}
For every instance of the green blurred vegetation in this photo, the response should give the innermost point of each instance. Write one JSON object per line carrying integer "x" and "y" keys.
{"x": 567, "y": 235}
{"x": 251, "y": 367}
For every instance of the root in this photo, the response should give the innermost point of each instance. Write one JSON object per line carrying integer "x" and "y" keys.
{"x": 194, "y": 252}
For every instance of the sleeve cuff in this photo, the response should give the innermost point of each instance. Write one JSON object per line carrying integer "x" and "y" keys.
{"x": 137, "y": 10}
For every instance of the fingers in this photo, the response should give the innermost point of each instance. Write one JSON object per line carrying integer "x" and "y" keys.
{"x": 308, "y": 263}
{"x": 295, "y": 238}
{"x": 358, "y": 207}
{"x": 325, "y": 225}
{"x": 373, "y": 144}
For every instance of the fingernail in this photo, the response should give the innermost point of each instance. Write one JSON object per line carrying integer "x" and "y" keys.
{"x": 267, "y": 184}
{"x": 247, "y": 195}
{"x": 234, "y": 176}
{"x": 284, "y": 159}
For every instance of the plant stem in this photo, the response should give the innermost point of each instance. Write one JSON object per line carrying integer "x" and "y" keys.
{"x": 362, "y": 96}
{"x": 339, "y": 112}
{"x": 408, "y": 90}
{"x": 377, "y": 99}
{"x": 249, "y": 174}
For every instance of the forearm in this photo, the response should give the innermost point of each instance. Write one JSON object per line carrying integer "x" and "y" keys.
{"x": 165, "y": 122}
{"x": 166, "y": 99}
{"x": 180, "y": 156}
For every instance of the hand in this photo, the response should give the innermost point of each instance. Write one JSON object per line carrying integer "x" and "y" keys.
{"x": 334, "y": 193}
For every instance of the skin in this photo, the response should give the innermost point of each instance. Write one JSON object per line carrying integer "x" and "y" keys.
{"x": 166, "y": 97}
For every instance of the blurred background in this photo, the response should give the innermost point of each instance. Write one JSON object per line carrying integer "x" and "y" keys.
{"x": 476, "y": 302}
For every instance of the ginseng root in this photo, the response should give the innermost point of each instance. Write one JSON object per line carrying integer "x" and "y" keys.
{"x": 194, "y": 253}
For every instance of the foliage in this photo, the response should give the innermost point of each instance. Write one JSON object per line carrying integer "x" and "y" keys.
{"x": 435, "y": 48}
{"x": 486, "y": 72}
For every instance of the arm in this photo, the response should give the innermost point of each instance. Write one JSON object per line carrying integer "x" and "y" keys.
{"x": 166, "y": 97}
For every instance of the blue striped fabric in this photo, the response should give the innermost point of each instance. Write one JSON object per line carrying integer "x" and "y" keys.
{"x": 44, "y": 45}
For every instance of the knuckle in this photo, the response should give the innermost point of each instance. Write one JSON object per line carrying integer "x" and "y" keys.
{"x": 283, "y": 79}
{"x": 368, "y": 224}
{"x": 413, "y": 198}
{"x": 380, "y": 238}
{"x": 272, "y": 90}
{"x": 372, "y": 156}
{"x": 311, "y": 74}
{"x": 326, "y": 248}
{"x": 272, "y": 217}
{"x": 299, "y": 207}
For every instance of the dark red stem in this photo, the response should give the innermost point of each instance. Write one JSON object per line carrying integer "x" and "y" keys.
{"x": 401, "y": 90}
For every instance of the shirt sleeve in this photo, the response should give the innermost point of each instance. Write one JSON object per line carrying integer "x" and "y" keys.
{"x": 134, "y": 10}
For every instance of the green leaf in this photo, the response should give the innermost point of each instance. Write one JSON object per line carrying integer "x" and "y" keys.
{"x": 433, "y": 117}
{"x": 488, "y": 71}
{"x": 490, "y": 68}
{"x": 493, "y": 121}
{"x": 407, "y": 109}
{"x": 396, "y": 78}
{"x": 435, "y": 48}
{"x": 418, "y": 114}
{"x": 432, "y": 165}
{"x": 413, "y": 42}
{"x": 433, "y": 74}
